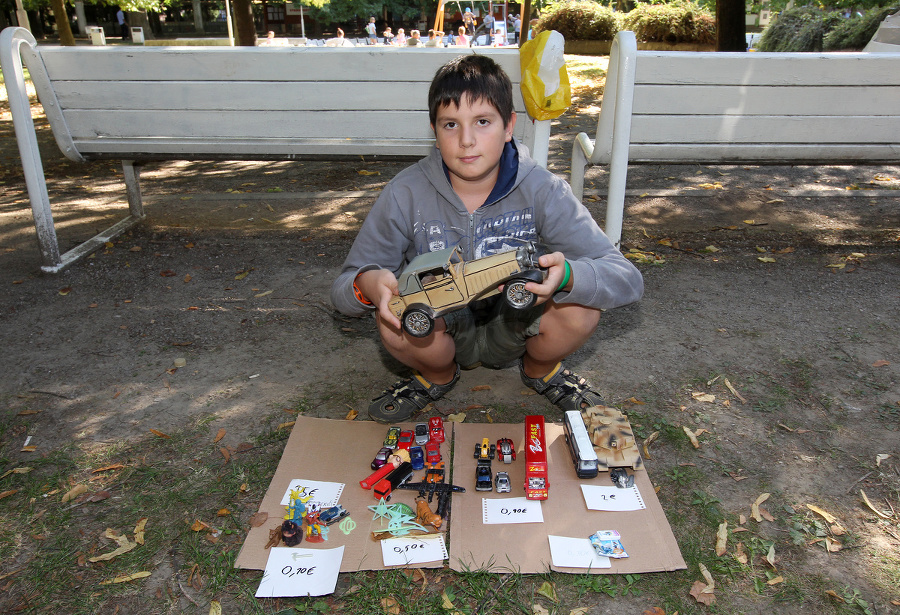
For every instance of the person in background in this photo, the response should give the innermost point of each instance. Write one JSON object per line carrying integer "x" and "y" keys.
{"x": 461, "y": 39}
{"x": 469, "y": 22}
{"x": 499, "y": 38}
{"x": 435, "y": 39}
{"x": 400, "y": 39}
{"x": 517, "y": 28}
{"x": 371, "y": 32}
{"x": 388, "y": 36}
{"x": 415, "y": 39}
{"x": 123, "y": 25}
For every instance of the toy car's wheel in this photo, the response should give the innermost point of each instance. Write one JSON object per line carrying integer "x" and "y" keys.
{"x": 516, "y": 295}
{"x": 417, "y": 323}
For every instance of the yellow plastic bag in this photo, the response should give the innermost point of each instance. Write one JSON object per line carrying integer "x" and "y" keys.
{"x": 545, "y": 82}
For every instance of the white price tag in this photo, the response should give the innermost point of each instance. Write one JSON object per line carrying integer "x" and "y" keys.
{"x": 413, "y": 550}
{"x": 511, "y": 510}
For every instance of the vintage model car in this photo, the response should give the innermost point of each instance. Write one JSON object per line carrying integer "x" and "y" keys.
{"x": 405, "y": 440}
{"x": 436, "y": 283}
{"x": 501, "y": 483}
{"x": 390, "y": 440}
{"x": 483, "y": 477}
{"x": 421, "y": 434}
{"x": 485, "y": 450}
{"x": 613, "y": 438}
{"x": 436, "y": 425}
{"x": 381, "y": 457}
{"x": 506, "y": 452}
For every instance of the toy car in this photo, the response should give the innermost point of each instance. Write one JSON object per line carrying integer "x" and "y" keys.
{"x": 506, "y": 452}
{"x": 435, "y": 283}
{"x": 417, "y": 457}
{"x": 333, "y": 514}
{"x": 436, "y": 425}
{"x": 381, "y": 457}
{"x": 483, "y": 477}
{"x": 391, "y": 439}
{"x": 501, "y": 482}
{"x": 432, "y": 453}
{"x": 405, "y": 440}
{"x": 485, "y": 450}
{"x": 421, "y": 434}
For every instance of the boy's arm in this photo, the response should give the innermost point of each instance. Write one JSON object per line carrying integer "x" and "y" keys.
{"x": 601, "y": 277}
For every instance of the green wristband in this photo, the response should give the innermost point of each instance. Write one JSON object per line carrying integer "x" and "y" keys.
{"x": 566, "y": 278}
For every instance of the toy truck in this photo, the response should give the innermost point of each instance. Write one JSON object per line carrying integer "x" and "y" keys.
{"x": 537, "y": 482}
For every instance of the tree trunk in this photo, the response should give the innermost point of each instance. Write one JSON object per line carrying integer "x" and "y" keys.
{"x": 731, "y": 25}
{"x": 62, "y": 23}
{"x": 243, "y": 23}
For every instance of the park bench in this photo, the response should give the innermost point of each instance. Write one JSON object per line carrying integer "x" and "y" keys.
{"x": 138, "y": 104}
{"x": 738, "y": 108}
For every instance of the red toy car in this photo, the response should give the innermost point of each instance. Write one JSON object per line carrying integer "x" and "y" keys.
{"x": 436, "y": 425}
{"x": 506, "y": 452}
{"x": 405, "y": 440}
{"x": 432, "y": 452}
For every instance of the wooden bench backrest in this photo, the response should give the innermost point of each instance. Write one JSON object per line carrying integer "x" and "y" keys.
{"x": 765, "y": 107}
{"x": 224, "y": 102}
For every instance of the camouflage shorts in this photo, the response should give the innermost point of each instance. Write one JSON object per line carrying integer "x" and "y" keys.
{"x": 491, "y": 333}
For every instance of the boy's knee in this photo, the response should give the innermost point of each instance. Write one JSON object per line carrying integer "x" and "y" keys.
{"x": 570, "y": 318}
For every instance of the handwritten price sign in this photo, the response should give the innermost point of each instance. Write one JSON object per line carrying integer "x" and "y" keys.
{"x": 413, "y": 550}
{"x": 300, "y": 572}
{"x": 511, "y": 510}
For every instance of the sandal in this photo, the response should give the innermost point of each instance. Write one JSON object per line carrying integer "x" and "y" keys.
{"x": 406, "y": 398}
{"x": 565, "y": 389}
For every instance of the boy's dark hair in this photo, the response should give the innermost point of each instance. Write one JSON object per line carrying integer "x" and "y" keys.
{"x": 475, "y": 76}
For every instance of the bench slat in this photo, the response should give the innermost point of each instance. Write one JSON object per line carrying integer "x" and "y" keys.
{"x": 753, "y": 100}
{"x": 774, "y": 130}
{"x": 179, "y": 96}
{"x": 719, "y": 153}
{"x": 791, "y": 69}
{"x": 262, "y": 64}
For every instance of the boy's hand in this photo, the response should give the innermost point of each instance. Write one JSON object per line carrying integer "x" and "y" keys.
{"x": 379, "y": 286}
{"x": 555, "y": 263}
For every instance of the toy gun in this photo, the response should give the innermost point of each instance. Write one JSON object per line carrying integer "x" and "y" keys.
{"x": 443, "y": 491}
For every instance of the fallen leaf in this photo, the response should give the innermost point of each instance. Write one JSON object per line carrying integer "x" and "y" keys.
{"x": 548, "y": 591}
{"x": 139, "y": 530}
{"x": 26, "y": 470}
{"x": 832, "y": 545}
{"x": 259, "y": 519}
{"x": 653, "y": 611}
{"x": 766, "y": 259}
{"x": 700, "y": 592}
{"x": 824, "y": 514}
{"x": 7, "y": 493}
{"x": 390, "y": 606}
{"x": 215, "y": 607}
{"x": 740, "y": 554}
{"x": 871, "y": 506}
{"x": 199, "y": 525}
{"x": 754, "y": 508}
{"x": 225, "y": 453}
{"x": 365, "y": 172}
{"x": 74, "y": 492}
{"x": 459, "y": 417}
{"x": 287, "y": 425}
{"x": 99, "y": 496}
{"x": 704, "y": 397}
{"x": 65, "y": 291}
{"x": 770, "y": 556}
{"x": 481, "y": 387}
{"x": 775, "y": 580}
{"x": 633, "y": 400}
{"x": 742, "y": 519}
{"x": 156, "y": 432}
{"x": 124, "y": 547}
{"x": 692, "y": 436}
{"x": 352, "y": 414}
{"x": 537, "y": 609}
{"x": 242, "y": 274}
{"x": 881, "y": 363}
{"x": 115, "y": 466}
{"x": 124, "y": 578}
{"x": 878, "y": 459}
{"x": 219, "y": 435}
{"x": 734, "y": 391}
{"x": 765, "y": 514}
{"x": 722, "y": 539}
{"x": 834, "y": 595}
{"x": 263, "y": 294}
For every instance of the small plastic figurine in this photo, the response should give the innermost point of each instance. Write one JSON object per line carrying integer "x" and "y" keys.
{"x": 315, "y": 529}
{"x": 425, "y": 516}
{"x": 291, "y": 533}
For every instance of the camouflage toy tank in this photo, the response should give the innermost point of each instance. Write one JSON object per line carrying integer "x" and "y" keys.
{"x": 612, "y": 437}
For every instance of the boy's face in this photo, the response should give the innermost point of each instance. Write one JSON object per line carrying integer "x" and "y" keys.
{"x": 471, "y": 139}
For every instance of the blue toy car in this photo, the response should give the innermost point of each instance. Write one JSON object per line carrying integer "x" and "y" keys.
{"x": 417, "y": 457}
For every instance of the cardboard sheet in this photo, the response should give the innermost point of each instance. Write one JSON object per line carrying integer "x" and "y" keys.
{"x": 525, "y": 548}
{"x": 341, "y": 451}
{"x": 338, "y": 451}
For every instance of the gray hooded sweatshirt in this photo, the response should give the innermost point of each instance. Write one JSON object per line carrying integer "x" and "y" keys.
{"x": 419, "y": 212}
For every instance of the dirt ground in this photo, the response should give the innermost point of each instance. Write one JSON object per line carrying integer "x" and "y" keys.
{"x": 775, "y": 289}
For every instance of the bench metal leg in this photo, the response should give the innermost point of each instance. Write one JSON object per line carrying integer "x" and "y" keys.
{"x": 133, "y": 187}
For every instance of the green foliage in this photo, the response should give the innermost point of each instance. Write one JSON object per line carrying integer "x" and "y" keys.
{"x": 679, "y": 22}
{"x": 856, "y": 32}
{"x": 580, "y": 20}
{"x": 799, "y": 29}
